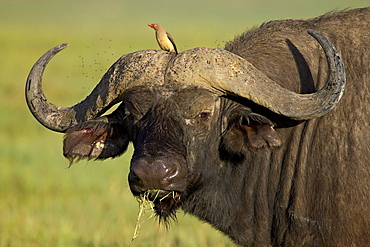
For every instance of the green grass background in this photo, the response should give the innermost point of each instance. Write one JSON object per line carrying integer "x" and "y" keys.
{"x": 41, "y": 202}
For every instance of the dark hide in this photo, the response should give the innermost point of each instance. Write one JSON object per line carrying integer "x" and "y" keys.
{"x": 259, "y": 178}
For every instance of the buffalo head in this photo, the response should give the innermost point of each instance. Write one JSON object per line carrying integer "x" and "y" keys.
{"x": 179, "y": 111}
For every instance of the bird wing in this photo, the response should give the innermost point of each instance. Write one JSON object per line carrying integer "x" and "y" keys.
{"x": 172, "y": 41}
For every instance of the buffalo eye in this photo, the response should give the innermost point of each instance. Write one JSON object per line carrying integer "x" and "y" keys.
{"x": 204, "y": 115}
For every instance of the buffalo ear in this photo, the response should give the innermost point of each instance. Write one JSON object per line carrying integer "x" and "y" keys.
{"x": 95, "y": 139}
{"x": 250, "y": 131}
{"x": 262, "y": 135}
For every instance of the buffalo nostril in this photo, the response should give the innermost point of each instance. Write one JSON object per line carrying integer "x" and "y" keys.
{"x": 162, "y": 170}
{"x": 156, "y": 175}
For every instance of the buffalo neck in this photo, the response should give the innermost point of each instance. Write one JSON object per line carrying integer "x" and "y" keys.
{"x": 257, "y": 190}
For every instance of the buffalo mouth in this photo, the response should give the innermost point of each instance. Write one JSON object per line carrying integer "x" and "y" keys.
{"x": 164, "y": 203}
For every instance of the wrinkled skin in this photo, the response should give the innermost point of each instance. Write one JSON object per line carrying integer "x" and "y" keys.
{"x": 261, "y": 178}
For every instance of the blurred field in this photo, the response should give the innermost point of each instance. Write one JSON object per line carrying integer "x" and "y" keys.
{"x": 41, "y": 202}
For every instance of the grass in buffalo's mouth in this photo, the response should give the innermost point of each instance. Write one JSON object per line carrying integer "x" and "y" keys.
{"x": 147, "y": 204}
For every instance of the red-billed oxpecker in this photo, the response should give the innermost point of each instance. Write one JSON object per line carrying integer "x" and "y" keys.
{"x": 164, "y": 38}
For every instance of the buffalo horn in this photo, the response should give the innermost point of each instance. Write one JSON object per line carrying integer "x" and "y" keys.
{"x": 227, "y": 73}
{"x": 139, "y": 68}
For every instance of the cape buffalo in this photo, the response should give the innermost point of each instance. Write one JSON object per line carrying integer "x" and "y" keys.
{"x": 254, "y": 139}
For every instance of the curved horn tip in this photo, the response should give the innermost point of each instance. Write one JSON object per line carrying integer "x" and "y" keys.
{"x": 313, "y": 32}
{"x": 56, "y": 49}
{"x": 62, "y": 46}
{"x": 319, "y": 37}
